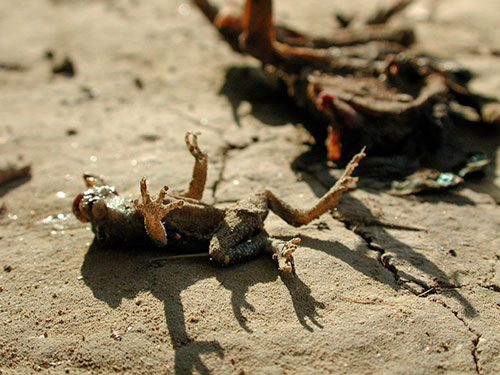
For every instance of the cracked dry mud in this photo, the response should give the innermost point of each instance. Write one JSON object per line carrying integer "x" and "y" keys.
{"x": 384, "y": 285}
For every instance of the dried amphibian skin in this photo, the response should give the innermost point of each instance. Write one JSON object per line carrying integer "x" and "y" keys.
{"x": 364, "y": 85}
{"x": 181, "y": 220}
{"x": 425, "y": 180}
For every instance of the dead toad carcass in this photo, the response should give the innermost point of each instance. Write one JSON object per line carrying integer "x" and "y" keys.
{"x": 182, "y": 221}
{"x": 364, "y": 85}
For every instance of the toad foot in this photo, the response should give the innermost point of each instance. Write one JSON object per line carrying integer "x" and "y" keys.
{"x": 283, "y": 251}
{"x": 154, "y": 211}
{"x": 191, "y": 140}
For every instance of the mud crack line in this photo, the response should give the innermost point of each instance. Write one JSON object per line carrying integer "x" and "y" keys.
{"x": 475, "y": 340}
{"x": 356, "y": 226}
{"x": 384, "y": 259}
{"x": 224, "y": 155}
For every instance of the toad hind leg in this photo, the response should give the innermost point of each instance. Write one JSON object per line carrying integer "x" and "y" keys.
{"x": 254, "y": 246}
{"x": 240, "y": 235}
{"x": 298, "y": 217}
{"x": 154, "y": 211}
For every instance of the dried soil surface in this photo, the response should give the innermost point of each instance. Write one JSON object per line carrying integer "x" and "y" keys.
{"x": 399, "y": 286}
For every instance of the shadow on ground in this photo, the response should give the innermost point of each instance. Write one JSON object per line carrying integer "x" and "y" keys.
{"x": 117, "y": 273}
{"x": 269, "y": 103}
{"x": 11, "y": 185}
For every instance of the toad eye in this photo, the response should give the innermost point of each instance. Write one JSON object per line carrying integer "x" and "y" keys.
{"x": 78, "y": 210}
{"x": 89, "y": 207}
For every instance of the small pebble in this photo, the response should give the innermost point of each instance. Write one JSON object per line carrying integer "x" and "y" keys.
{"x": 138, "y": 83}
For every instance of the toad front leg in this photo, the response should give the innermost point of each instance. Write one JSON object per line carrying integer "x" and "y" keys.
{"x": 154, "y": 211}
{"x": 197, "y": 184}
{"x": 241, "y": 233}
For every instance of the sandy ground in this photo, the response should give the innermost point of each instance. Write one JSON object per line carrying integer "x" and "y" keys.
{"x": 148, "y": 71}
